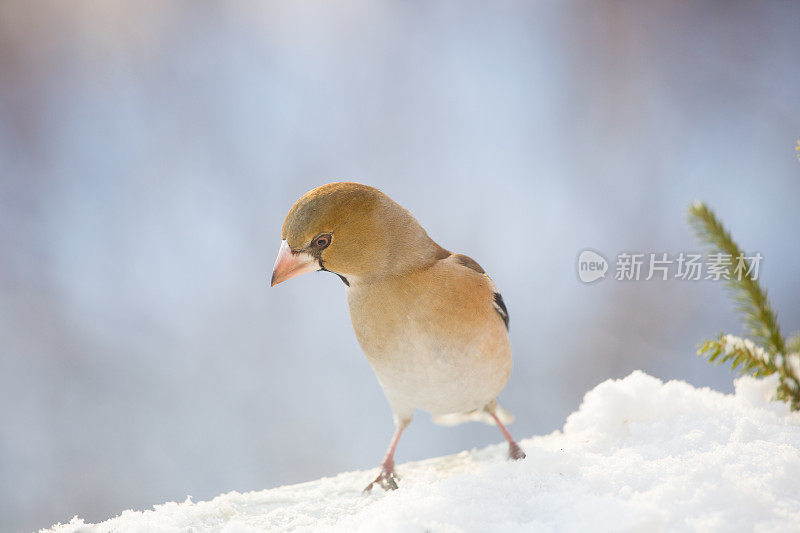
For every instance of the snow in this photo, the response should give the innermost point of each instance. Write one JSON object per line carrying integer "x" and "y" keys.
{"x": 638, "y": 455}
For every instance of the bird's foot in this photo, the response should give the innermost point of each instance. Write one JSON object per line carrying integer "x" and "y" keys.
{"x": 387, "y": 479}
{"x": 515, "y": 452}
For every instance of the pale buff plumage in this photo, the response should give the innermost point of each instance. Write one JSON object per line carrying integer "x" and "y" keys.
{"x": 433, "y": 338}
{"x": 432, "y": 324}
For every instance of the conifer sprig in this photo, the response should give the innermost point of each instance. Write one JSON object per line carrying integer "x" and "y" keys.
{"x": 750, "y": 298}
{"x": 793, "y": 344}
{"x": 742, "y": 353}
{"x": 747, "y": 357}
{"x": 774, "y": 355}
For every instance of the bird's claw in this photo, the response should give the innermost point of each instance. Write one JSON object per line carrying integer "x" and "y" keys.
{"x": 387, "y": 480}
{"x": 515, "y": 452}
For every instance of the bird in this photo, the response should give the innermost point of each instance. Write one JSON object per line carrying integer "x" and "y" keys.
{"x": 432, "y": 323}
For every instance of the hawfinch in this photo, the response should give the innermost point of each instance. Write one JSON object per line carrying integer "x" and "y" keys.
{"x": 432, "y": 323}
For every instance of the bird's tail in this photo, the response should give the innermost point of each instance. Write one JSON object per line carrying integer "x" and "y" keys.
{"x": 478, "y": 415}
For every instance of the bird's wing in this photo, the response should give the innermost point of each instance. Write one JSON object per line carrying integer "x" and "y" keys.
{"x": 498, "y": 303}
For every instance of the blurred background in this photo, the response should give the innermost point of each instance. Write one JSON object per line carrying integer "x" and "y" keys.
{"x": 150, "y": 150}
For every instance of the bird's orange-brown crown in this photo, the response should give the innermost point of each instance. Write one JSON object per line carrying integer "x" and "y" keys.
{"x": 370, "y": 233}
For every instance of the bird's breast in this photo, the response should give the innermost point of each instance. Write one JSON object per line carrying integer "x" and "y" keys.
{"x": 434, "y": 343}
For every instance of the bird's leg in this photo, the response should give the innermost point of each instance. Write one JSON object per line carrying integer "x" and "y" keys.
{"x": 387, "y": 479}
{"x": 514, "y": 451}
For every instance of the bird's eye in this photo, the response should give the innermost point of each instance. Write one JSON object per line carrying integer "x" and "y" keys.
{"x": 322, "y": 241}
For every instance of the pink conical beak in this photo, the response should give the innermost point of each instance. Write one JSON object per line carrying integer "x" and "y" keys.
{"x": 290, "y": 264}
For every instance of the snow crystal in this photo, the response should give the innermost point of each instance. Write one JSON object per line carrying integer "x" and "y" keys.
{"x": 638, "y": 455}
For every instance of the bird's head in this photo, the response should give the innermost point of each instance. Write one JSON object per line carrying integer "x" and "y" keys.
{"x": 352, "y": 230}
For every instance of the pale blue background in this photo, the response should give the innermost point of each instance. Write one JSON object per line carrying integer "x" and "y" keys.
{"x": 150, "y": 150}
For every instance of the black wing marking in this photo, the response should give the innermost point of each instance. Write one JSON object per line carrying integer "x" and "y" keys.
{"x": 500, "y": 307}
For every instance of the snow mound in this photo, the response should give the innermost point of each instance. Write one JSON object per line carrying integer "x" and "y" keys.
{"x": 638, "y": 455}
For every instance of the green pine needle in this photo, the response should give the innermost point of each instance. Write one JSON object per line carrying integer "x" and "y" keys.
{"x": 793, "y": 344}
{"x": 750, "y": 297}
{"x": 747, "y": 358}
{"x": 761, "y": 321}
{"x": 741, "y": 353}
